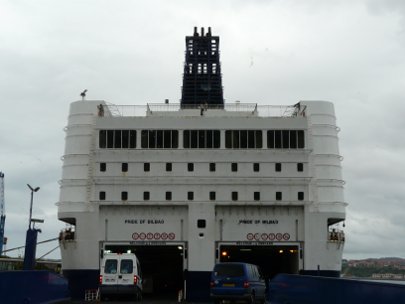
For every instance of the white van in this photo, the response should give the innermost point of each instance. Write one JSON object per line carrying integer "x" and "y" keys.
{"x": 120, "y": 275}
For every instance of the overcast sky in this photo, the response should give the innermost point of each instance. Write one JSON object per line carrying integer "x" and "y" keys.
{"x": 350, "y": 52}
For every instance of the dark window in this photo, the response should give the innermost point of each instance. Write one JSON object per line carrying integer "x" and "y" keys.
{"x": 146, "y": 195}
{"x": 270, "y": 139}
{"x": 125, "y": 138}
{"x": 124, "y": 195}
{"x": 102, "y": 140}
{"x": 212, "y": 195}
{"x": 110, "y": 138}
{"x": 190, "y": 167}
{"x": 212, "y": 167}
{"x": 201, "y": 139}
{"x": 234, "y": 196}
{"x": 300, "y": 196}
{"x": 117, "y": 139}
{"x": 285, "y": 139}
{"x": 201, "y": 223}
{"x": 256, "y": 167}
{"x": 103, "y": 167}
{"x": 132, "y": 139}
{"x": 243, "y": 139}
{"x": 159, "y": 139}
{"x": 168, "y": 196}
{"x": 256, "y": 196}
{"x": 190, "y": 195}
{"x": 146, "y": 167}
{"x": 229, "y": 270}
{"x": 278, "y": 167}
{"x": 168, "y": 167}
{"x": 124, "y": 167}
{"x": 300, "y": 167}
{"x": 101, "y": 195}
{"x": 301, "y": 140}
{"x": 279, "y": 196}
{"x": 234, "y": 167}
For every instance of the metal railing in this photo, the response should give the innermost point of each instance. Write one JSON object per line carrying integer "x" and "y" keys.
{"x": 149, "y": 109}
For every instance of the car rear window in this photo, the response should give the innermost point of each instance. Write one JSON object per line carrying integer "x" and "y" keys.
{"x": 229, "y": 270}
{"x": 126, "y": 266}
{"x": 110, "y": 266}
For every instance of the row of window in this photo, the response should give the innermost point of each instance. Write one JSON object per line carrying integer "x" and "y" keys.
{"x": 212, "y": 196}
{"x": 212, "y": 167}
{"x": 202, "y": 139}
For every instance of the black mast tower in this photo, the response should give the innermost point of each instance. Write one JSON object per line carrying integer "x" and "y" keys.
{"x": 202, "y": 79}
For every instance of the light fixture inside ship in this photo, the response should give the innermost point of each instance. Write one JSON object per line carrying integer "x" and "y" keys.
{"x": 281, "y": 251}
{"x": 180, "y": 247}
{"x": 224, "y": 253}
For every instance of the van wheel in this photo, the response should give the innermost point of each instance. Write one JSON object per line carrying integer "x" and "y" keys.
{"x": 252, "y": 299}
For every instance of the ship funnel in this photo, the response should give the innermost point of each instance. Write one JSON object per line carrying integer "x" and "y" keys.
{"x": 202, "y": 79}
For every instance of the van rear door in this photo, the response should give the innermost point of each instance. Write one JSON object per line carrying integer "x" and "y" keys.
{"x": 126, "y": 271}
{"x": 110, "y": 276}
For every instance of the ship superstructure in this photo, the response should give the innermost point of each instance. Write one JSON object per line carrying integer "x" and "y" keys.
{"x": 187, "y": 185}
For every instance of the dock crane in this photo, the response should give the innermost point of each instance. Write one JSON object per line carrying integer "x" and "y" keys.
{"x": 2, "y": 212}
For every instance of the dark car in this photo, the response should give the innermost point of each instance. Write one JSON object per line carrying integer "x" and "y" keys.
{"x": 237, "y": 282}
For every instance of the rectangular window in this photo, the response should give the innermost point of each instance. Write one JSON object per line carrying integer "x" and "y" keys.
{"x": 132, "y": 139}
{"x": 103, "y": 167}
{"x": 256, "y": 196}
{"x": 190, "y": 167}
{"x": 101, "y": 195}
{"x": 190, "y": 195}
{"x": 102, "y": 139}
{"x": 270, "y": 139}
{"x": 300, "y": 167}
{"x": 201, "y": 139}
{"x": 201, "y": 223}
{"x": 277, "y": 139}
{"x": 124, "y": 195}
{"x": 146, "y": 167}
{"x": 234, "y": 196}
{"x": 256, "y": 167}
{"x": 278, "y": 167}
{"x": 146, "y": 195}
{"x": 124, "y": 167}
{"x": 168, "y": 196}
{"x": 117, "y": 139}
{"x": 159, "y": 139}
{"x": 300, "y": 196}
{"x": 168, "y": 167}
{"x": 279, "y": 196}
{"x": 285, "y": 139}
{"x": 234, "y": 167}
{"x": 243, "y": 139}
{"x": 301, "y": 140}
{"x": 212, "y": 167}
{"x": 212, "y": 196}
{"x": 110, "y": 139}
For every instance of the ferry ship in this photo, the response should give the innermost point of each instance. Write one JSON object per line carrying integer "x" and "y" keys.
{"x": 186, "y": 185}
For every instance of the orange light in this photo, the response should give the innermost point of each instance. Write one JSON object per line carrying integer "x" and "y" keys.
{"x": 224, "y": 253}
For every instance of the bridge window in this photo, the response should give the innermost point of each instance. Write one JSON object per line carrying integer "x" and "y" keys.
{"x": 101, "y": 195}
{"x": 146, "y": 195}
{"x": 124, "y": 167}
{"x": 117, "y": 139}
{"x": 103, "y": 167}
{"x": 201, "y": 139}
{"x": 285, "y": 139}
{"x": 243, "y": 139}
{"x": 124, "y": 195}
{"x": 159, "y": 139}
{"x": 256, "y": 196}
{"x": 279, "y": 196}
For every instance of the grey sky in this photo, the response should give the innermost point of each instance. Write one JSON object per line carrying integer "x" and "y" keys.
{"x": 272, "y": 52}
